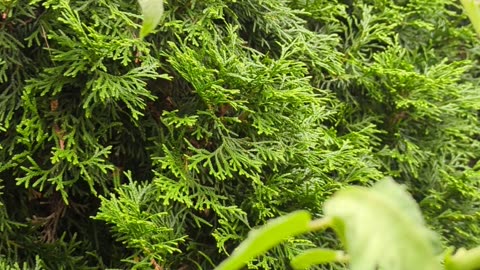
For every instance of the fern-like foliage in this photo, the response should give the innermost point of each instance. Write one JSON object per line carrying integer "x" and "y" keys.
{"x": 164, "y": 151}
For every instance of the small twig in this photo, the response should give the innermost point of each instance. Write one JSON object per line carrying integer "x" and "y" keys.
{"x": 156, "y": 265}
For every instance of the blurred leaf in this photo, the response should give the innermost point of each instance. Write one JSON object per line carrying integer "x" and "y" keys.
{"x": 316, "y": 256}
{"x": 463, "y": 260}
{"x": 383, "y": 228}
{"x": 152, "y": 11}
{"x": 262, "y": 239}
{"x": 472, "y": 9}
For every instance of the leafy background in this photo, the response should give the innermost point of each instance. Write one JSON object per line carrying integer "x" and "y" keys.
{"x": 127, "y": 153}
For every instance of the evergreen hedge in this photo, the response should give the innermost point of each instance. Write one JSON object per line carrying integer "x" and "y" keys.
{"x": 163, "y": 152}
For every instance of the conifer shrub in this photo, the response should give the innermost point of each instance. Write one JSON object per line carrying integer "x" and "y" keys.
{"x": 163, "y": 152}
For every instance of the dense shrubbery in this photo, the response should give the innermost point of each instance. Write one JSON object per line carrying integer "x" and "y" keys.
{"x": 164, "y": 152}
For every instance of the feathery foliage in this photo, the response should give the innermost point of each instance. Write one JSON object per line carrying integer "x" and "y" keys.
{"x": 164, "y": 151}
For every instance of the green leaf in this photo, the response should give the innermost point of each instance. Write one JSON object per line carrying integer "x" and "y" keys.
{"x": 152, "y": 11}
{"x": 262, "y": 239}
{"x": 472, "y": 9}
{"x": 463, "y": 260}
{"x": 382, "y": 228}
{"x": 316, "y": 256}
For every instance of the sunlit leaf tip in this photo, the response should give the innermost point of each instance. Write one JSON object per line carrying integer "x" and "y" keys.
{"x": 152, "y": 11}
{"x": 472, "y": 9}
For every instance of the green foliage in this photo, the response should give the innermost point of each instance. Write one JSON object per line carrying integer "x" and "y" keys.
{"x": 150, "y": 231}
{"x": 165, "y": 150}
{"x": 381, "y": 228}
{"x": 4, "y": 264}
